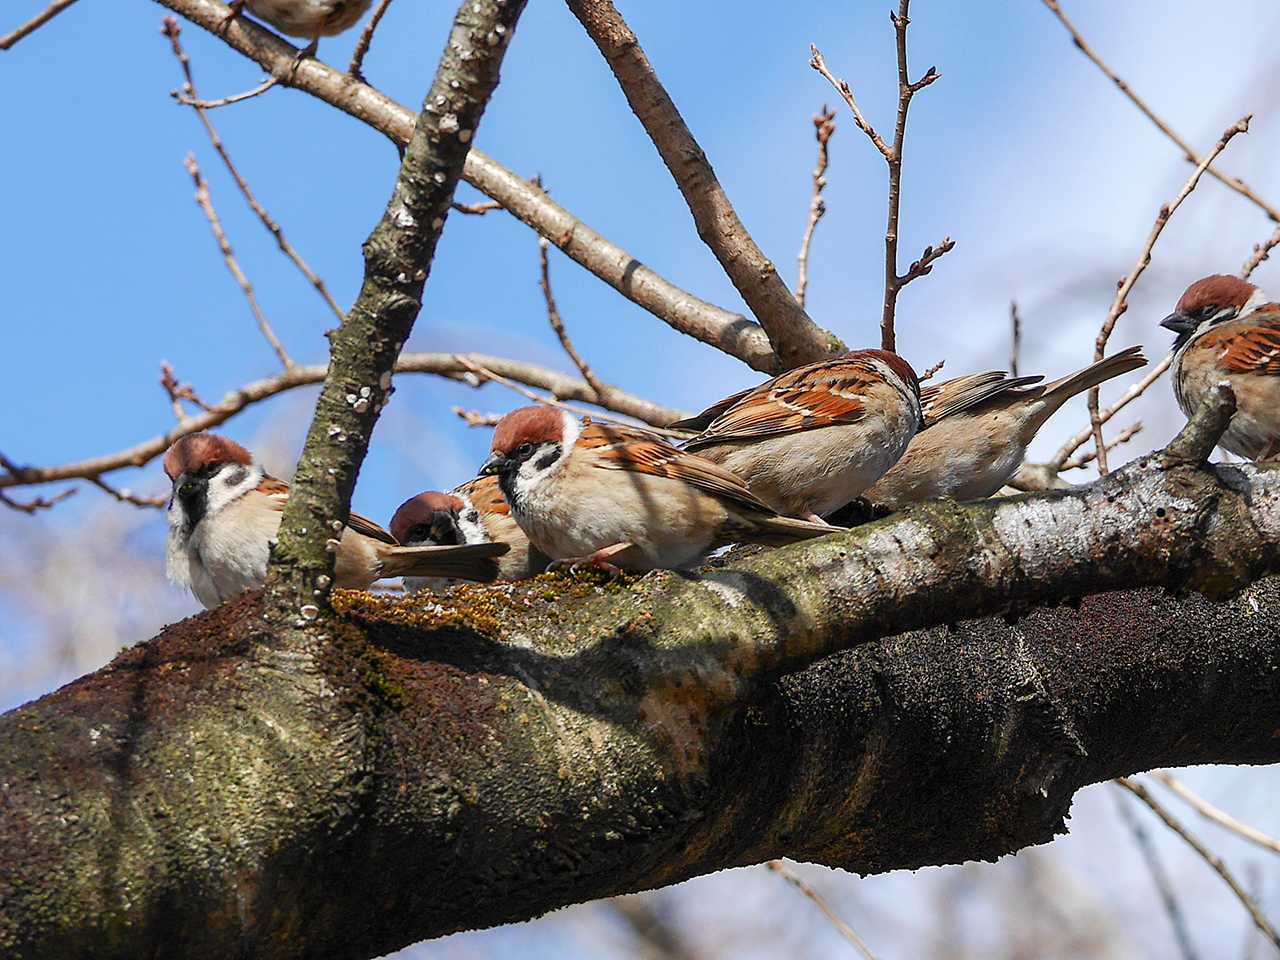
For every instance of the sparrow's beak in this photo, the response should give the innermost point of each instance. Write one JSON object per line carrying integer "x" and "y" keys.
{"x": 494, "y": 465}
{"x": 1179, "y": 323}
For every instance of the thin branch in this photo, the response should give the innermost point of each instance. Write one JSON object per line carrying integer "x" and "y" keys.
{"x": 35, "y": 23}
{"x": 366, "y": 38}
{"x": 794, "y": 336}
{"x": 173, "y": 32}
{"x": 557, "y": 324}
{"x": 907, "y": 89}
{"x": 1120, "y": 304}
{"x": 474, "y": 418}
{"x": 128, "y": 496}
{"x": 206, "y": 204}
{"x": 477, "y": 209}
{"x": 846, "y": 931}
{"x": 650, "y": 928}
{"x": 1235, "y": 183}
{"x": 449, "y": 365}
{"x": 1086, "y": 458}
{"x": 824, "y": 125}
{"x": 1015, "y": 338}
{"x": 179, "y": 392}
{"x": 1130, "y": 395}
{"x": 484, "y": 373}
{"x": 39, "y": 503}
{"x": 1261, "y": 252}
{"x": 1220, "y": 817}
{"x": 1160, "y": 877}
{"x": 1212, "y": 859}
{"x": 190, "y": 100}
{"x": 932, "y": 371}
{"x": 729, "y": 332}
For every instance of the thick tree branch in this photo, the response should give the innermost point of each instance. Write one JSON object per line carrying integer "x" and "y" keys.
{"x": 795, "y": 338}
{"x": 439, "y": 767}
{"x": 729, "y": 332}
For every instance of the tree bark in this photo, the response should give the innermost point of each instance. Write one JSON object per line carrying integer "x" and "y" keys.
{"x": 364, "y": 348}
{"x": 428, "y": 768}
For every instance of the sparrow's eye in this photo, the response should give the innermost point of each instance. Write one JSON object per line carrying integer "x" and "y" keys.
{"x": 524, "y": 450}
{"x": 1208, "y": 311}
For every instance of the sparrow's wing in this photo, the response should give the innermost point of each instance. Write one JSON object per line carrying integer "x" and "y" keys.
{"x": 960, "y": 393}
{"x": 1249, "y": 345}
{"x": 704, "y": 419}
{"x": 485, "y": 495}
{"x": 818, "y": 395}
{"x": 618, "y": 447}
{"x": 277, "y": 490}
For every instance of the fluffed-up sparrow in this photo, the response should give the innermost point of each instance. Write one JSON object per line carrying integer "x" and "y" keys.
{"x": 813, "y": 439}
{"x": 225, "y": 512}
{"x": 977, "y": 429}
{"x": 475, "y": 512}
{"x": 1229, "y": 330}
{"x": 618, "y": 496}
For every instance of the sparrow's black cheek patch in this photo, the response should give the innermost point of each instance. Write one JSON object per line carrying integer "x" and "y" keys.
{"x": 545, "y": 461}
{"x": 235, "y": 476}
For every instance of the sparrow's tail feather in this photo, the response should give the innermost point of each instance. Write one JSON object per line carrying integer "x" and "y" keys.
{"x": 1060, "y": 391}
{"x": 470, "y": 561}
{"x": 775, "y": 530}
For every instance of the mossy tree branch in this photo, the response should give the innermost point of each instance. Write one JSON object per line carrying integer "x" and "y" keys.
{"x": 364, "y": 348}
{"x": 432, "y": 769}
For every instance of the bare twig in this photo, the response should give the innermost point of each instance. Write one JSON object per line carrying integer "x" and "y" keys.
{"x": 477, "y": 209}
{"x": 660, "y": 938}
{"x": 228, "y": 255}
{"x": 366, "y": 38}
{"x": 932, "y": 371}
{"x": 178, "y": 392}
{"x": 1220, "y": 817}
{"x": 1214, "y": 861}
{"x": 35, "y": 23}
{"x": 1086, "y": 458}
{"x": 474, "y": 418}
{"x": 1159, "y": 876}
{"x": 1261, "y": 251}
{"x": 190, "y": 100}
{"x": 794, "y": 336}
{"x": 483, "y": 373}
{"x": 38, "y": 504}
{"x": 824, "y": 125}
{"x": 1130, "y": 395}
{"x": 1015, "y": 338}
{"x": 557, "y": 324}
{"x": 846, "y": 931}
{"x": 1120, "y": 304}
{"x": 1235, "y": 183}
{"x": 173, "y": 32}
{"x": 723, "y": 329}
{"x": 449, "y": 365}
{"x": 907, "y": 88}
{"x": 128, "y": 496}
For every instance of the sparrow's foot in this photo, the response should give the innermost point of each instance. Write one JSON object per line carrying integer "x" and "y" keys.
{"x": 306, "y": 53}
{"x": 234, "y": 9}
{"x": 597, "y": 561}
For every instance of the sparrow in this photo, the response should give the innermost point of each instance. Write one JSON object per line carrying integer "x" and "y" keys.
{"x": 225, "y": 511}
{"x": 813, "y": 439}
{"x": 977, "y": 429}
{"x": 620, "y": 497}
{"x": 474, "y": 512}
{"x": 307, "y": 19}
{"x": 1229, "y": 330}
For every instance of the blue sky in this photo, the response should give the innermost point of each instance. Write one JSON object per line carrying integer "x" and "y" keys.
{"x": 1047, "y": 178}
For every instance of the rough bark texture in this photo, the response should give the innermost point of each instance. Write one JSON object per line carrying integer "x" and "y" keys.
{"x": 723, "y": 329}
{"x": 430, "y": 768}
{"x": 364, "y": 348}
{"x": 795, "y": 338}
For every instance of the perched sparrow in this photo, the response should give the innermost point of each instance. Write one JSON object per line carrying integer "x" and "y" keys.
{"x": 977, "y": 429}
{"x": 225, "y": 512}
{"x": 473, "y": 513}
{"x": 813, "y": 439}
{"x": 308, "y": 19}
{"x": 617, "y": 496}
{"x": 1229, "y": 330}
